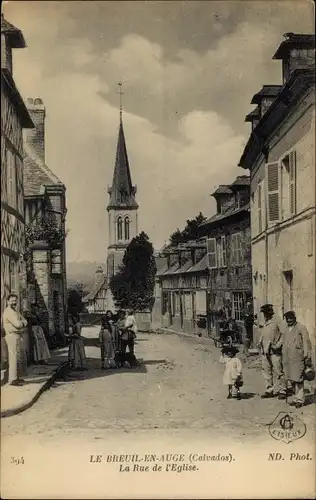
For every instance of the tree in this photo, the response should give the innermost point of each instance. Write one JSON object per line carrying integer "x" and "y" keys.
{"x": 133, "y": 286}
{"x": 75, "y": 294}
{"x": 190, "y": 232}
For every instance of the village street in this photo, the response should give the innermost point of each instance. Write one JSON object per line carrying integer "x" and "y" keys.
{"x": 178, "y": 386}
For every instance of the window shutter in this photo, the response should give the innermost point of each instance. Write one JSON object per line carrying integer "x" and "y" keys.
{"x": 234, "y": 249}
{"x": 223, "y": 244}
{"x": 239, "y": 251}
{"x": 273, "y": 191}
{"x": 211, "y": 252}
{"x": 292, "y": 172}
{"x": 259, "y": 208}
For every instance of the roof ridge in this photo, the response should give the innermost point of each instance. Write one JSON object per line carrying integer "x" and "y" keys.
{"x": 31, "y": 152}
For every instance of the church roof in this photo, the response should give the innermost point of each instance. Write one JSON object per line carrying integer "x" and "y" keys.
{"x": 122, "y": 192}
{"x": 36, "y": 173}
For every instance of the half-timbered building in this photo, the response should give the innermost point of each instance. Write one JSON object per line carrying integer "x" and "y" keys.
{"x": 14, "y": 117}
{"x": 96, "y": 300}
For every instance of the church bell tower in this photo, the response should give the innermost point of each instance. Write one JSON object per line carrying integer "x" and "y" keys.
{"x": 122, "y": 207}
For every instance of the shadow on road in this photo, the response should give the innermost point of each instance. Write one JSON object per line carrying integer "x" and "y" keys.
{"x": 248, "y": 395}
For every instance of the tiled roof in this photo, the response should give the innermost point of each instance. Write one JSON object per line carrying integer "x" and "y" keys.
{"x": 36, "y": 173}
{"x": 222, "y": 189}
{"x": 16, "y": 37}
{"x": 294, "y": 39}
{"x": 98, "y": 286}
{"x": 266, "y": 91}
{"x": 172, "y": 269}
{"x": 229, "y": 213}
{"x": 161, "y": 263}
{"x": 185, "y": 267}
{"x": 253, "y": 114}
{"x": 202, "y": 265}
{"x": 241, "y": 180}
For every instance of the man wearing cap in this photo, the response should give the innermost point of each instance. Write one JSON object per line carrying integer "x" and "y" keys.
{"x": 296, "y": 355}
{"x": 270, "y": 344}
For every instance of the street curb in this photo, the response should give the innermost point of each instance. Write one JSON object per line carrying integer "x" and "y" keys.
{"x": 49, "y": 382}
{"x": 199, "y": 340}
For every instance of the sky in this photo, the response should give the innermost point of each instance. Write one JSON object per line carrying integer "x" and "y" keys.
{"x": 189, "y": 71}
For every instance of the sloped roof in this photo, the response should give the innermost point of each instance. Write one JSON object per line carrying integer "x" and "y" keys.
{"x": 14, "y": 34}
{"x": 266, "y": 91}
{"x": 294, "y": 40}
{"x": 202, "y": 265}
{"x": 36, "y": 173}
{"x": 98, "y": 286}
{"x": 222, "y": 189}
{"x": 161, "y": 263}
{"x": 185, "y": 267}
{"x": 241, "y": 180}
{"x": 229, "y": 213}
{"x": 253, "y": 114}
{"x": 122, "y": 180}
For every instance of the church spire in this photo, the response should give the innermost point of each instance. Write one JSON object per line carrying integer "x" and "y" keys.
{"x": 122, "y": 192}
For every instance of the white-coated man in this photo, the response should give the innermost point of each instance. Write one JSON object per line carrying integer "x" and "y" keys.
{"x": 14, "y": 325}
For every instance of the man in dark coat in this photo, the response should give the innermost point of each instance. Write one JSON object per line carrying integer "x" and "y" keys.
{"x": 296, "y": 353}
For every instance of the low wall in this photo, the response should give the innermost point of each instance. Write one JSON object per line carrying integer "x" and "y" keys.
{"x": 90, "y": 319}
{"x": 143, "y": 321}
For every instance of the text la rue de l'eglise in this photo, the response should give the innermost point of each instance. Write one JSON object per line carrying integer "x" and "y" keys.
{"x": 170, "y": 462}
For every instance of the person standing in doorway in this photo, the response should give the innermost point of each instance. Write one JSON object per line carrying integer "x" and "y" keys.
{"x": 14, "y": 325}
{"x": 270, "y": 344}
{"x": 296, "y": 352}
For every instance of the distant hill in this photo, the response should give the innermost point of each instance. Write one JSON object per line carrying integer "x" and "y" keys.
{"x": 82, "y": 272}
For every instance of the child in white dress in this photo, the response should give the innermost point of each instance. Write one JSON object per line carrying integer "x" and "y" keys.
{"x": 233, "y": 371}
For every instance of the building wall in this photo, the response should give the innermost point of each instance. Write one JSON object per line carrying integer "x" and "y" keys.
{"x": 289, "y": 244}
{"x": 12, "y": 210}
{"x": 112, "y": 221}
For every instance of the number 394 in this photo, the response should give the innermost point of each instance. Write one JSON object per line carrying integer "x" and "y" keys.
{"x": 17, "y": 460}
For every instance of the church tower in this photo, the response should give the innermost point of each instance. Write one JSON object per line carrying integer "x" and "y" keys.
{"x": 122, "y": 207}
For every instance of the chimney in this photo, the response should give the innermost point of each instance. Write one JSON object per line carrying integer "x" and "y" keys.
{"x": 36, "y": 136}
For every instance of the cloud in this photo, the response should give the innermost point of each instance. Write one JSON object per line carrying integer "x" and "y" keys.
{"x": 183, "y": 115}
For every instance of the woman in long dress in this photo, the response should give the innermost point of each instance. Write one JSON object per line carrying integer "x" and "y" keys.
{"x": 106, "y": 341}
{"x": 76, "y": 354}
{"x": 41, "y": 353}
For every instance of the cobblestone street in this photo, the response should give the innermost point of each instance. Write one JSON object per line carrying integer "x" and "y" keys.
{"x": 177, "y": 386}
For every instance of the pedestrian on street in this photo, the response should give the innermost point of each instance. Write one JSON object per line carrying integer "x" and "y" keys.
{"x": 106, "y": 341}
{"x": 14, "y": 325}
{"x": 296, "y": 352}
{"x": 41, "y": 353}
{"x": 270, "y": 345}
{"x": 233, "y": 371}
{"x": 76, "y": 354}
{"x": 249, "y": 322}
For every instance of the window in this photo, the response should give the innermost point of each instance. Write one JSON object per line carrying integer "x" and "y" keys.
{"x": 11, "y": 179}
{"x": 13, "y": 276}
{"x": 56, "y": 262}
{"x": 292, "y": 175}
{"x": 126, "y": 228}
{"x": 221, "y": 248}
{"x": 273, "y": 191}
{"x": 288, "y": 178}
{"x": 237, "y": 250}
{"x": 119, "y": 229}
{"x": 238, "y": 305}
{"x": 211, "y": 253}
{"x": 259, "y": 208}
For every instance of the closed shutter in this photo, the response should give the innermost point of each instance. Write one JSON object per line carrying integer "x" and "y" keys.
{"x": 273, "y": 191}
{"x": 223, "y": 244}
{"x": 239, "y": 249}
{"x": 234, "y": 248}
{"x": 259, "y": 208}
{"x": 211, "y": 252}
{"x": 292, "y": 172}
{"x": 200, "y": 302}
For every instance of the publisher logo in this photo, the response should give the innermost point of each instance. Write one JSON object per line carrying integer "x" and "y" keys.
{"x": 287, "y": 427}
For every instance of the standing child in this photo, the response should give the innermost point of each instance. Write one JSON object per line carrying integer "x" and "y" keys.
{"x": 233, "y": 371}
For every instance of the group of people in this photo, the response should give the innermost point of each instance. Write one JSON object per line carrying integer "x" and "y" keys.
{"x": 285, "y": 350}
{"x": 117, "y": 333}
{"x": 14, "y": 325}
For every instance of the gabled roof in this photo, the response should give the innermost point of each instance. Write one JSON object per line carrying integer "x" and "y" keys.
{"x": 266, "y": 91}
{"x": 122, "y": 180}
{"x": 219, "y": 217}
{"x": 98, "y": 286}
{"x": 253, "y": 114}
{"x": 13, "y": 34}
{"x": 36, "y": 173}
{"x": 294, "y": 40}
{"x": 241, "y": 180}
{"x": 222, "y": 189}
